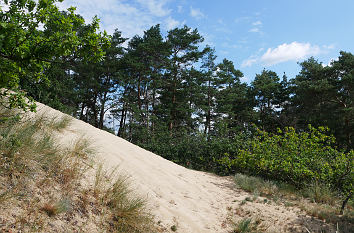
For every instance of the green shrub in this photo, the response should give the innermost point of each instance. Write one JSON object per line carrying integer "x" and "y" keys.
{"x": 297, "y": 158}
{"x": 195, "y": 151}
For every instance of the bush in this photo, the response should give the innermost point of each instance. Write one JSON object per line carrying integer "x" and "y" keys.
{"x": 297, "y": 158}
{"x": 195, "y": 151}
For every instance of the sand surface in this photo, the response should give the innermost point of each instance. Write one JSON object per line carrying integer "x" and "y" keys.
{"x": 193, "y": 201}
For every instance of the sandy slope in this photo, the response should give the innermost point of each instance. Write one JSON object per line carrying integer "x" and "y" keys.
{"x": 193, "y": 201}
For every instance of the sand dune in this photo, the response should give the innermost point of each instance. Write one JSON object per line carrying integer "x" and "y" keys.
{"x": 193, "y": 201}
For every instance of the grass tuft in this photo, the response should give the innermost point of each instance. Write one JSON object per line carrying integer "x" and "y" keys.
{"x": 173, "y": 228}
{"x": 246, "y": 225}
{"x": 320, "y": 194}
{"x": 60, "y": 124}
{"x": 127, "y": 211}
{"x": 255, "y": 185}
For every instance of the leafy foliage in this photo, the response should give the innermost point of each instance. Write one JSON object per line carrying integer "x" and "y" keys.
{"x": 26, "y": 49}
{"x": 196, "y": 151}
{"x": 296, "y": 158}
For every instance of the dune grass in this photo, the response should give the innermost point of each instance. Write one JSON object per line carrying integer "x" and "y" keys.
{"x": 126, "y": 211}
{"x": 248, "y": 225}
{"x": 244, "y": 226}
{"x": 44, "y": 186}
{"x": 316, "y": 200}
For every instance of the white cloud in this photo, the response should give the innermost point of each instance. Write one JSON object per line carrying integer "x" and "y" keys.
{"x": 254, "y": 30}
{"x": 196, "y": 13}
{"x": 156, "y": 7}
{"x": 249, "y": 62}
{"x": 257, "y": 23}
{"x": 130, "y": 17}
{"x": 286, "y": 52}
{"x": 328, "y": 47}
{"x": 171, "y": 23}
{"x": 329, "y": 63}
{"x": 246, "y": 79}
{"x": 294, "y": 51}
{"x": 256, "y": 27}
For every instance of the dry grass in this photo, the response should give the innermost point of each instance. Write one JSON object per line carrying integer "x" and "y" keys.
{"x": 316, "y": 200}
{"x": 320, "y": 194}
{"x": 43, "y": 186}
{"x": 56, "y": 208}
{"x": 59, "y": 124}
{"x": 127, "y": 211}
{"x": 344, "y": 223}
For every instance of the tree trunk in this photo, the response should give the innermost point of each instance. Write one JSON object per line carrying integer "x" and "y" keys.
{"x": 139, "y": 92}
{"x": 173, "y": 106}
{"x": 102, "y": 110}
{"x": 123, "y": 115}
{"x": 122, "y": 121}
{"x": 94, "y": 110}
{"x": 153, "y": 110}
{"x": 208, "y": 116}
{"x": 345, "y": 202}
{"x": 146, "y": 100}
{"x": 82, "y": 111}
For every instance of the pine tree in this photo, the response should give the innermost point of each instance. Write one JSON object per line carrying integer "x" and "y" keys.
{"x": 184, "y": 49}
{"x": 266, "y": 88}
{"x": 234, "y": 103}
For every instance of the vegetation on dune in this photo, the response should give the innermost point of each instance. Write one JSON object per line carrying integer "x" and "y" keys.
{"x": 299, "y": 159}
{"x": 316, "y": 199}
{"x": 42, "y": 183}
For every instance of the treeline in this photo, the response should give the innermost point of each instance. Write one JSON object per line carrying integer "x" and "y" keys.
{"x": 172, "y": 86}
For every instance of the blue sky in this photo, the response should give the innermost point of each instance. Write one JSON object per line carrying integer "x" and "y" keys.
{"x": 254, "y": 34}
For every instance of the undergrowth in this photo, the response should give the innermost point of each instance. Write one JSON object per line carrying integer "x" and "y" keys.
{"x": 44, "y": 186}
{"x": 297, "y": 158}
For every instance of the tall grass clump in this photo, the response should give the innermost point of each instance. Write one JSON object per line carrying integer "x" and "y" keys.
{"x": 26, "y": 146}
{"x": 246, "y": 225}
{"x": 127, "y": 212}
{"x": 43, "y": 183}
{"x": 256, "y": 184}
